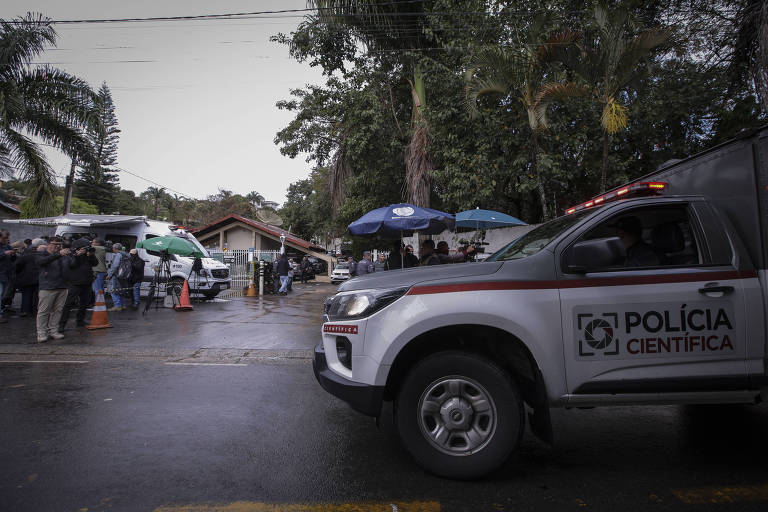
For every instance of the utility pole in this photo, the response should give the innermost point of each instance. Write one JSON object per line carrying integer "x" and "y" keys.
{"x": 68, "y": 188}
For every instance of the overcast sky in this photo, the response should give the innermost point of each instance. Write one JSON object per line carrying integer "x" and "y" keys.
{"x": 195, "y": 100}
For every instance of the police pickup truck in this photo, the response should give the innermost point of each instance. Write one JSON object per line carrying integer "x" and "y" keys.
{"x": 652, "y": 293}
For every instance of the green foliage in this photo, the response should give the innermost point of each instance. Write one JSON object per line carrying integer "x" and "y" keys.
{"x": 38, "y": 102}
{"x": 676, "y": 98}
{"x": 97, "y": 181}
{"x": 78, "y": 206}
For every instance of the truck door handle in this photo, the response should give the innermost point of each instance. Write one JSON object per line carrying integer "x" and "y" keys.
{"x": 716, "y": 289}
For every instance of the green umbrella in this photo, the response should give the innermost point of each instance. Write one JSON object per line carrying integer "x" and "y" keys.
{"x": 172, "y": 244}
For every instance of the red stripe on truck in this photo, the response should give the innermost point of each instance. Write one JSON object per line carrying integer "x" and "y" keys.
{"x": 582, "y": 283}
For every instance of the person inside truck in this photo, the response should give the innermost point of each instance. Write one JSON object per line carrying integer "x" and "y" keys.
{"x": 638, "y": 253}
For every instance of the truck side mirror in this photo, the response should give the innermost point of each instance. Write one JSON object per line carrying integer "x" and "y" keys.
{"x": 592, "y": 255}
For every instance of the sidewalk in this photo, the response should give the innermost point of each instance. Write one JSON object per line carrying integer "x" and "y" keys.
{"x": 229, "y": 329}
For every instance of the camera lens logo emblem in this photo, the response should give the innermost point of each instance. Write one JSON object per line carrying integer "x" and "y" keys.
{"x": 598, "y": 334}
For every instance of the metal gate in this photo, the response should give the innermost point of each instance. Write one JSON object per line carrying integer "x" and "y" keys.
{"x": 239, "y": 263}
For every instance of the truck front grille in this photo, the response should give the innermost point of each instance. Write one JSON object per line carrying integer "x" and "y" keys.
{"x": 220, "y": 273}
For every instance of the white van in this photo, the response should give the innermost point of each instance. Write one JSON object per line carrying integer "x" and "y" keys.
{"x": 128, "y": 230}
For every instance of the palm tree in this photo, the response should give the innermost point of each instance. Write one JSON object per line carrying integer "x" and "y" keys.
{"x": 523, "y": 74}
{"x": 155, "y": 197}
{"x": 609, "y": 64}
{"x": 41, "y": 102}
{"x": 386, "y": 27}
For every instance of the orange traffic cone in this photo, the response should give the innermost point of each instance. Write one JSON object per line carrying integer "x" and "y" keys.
{"x": 252, "y": 291}
{"x": 184, "y": 303}
{"x": 99, "y": 319}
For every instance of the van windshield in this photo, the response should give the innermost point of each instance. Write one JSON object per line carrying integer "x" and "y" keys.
{"x": 186, "y": 236}
{"x": 538, "y": 238}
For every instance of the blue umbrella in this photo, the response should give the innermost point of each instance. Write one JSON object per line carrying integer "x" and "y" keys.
{"x": 485, "y": 219}
{"x": 398, "y": 220}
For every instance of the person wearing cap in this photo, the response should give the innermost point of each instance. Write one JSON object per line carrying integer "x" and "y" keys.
{"x": 365, "y": 265}
{"x": 638, "y": 253}
{"x": 80, "y": 265}
{"x": 28, "y": 275}
{"x": 137, "y": 275}
{"x": 115, "y": 284}
{"x": 100, "y": 269}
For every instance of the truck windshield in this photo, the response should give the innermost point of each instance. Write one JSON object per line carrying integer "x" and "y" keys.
{"x": 538, "y": 238}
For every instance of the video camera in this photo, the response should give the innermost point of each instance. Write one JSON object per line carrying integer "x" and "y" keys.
{"x": 477, "y": 243}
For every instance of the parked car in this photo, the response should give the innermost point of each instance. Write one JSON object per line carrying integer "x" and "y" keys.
{"x": 340, "y": 273}
{"x": 296, "y": 266}
{"x": 318, "y": 265}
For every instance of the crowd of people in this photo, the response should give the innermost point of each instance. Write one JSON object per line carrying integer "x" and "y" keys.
{"x": 55, "y": 276}
{"x": 402, "y": 256}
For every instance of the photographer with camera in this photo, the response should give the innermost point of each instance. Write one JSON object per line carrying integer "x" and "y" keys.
{"x": 445, "y": 257}
{"x": 80, "y": 276}
{"x": 53, "y": 290}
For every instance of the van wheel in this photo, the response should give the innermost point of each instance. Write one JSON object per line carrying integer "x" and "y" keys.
{"x": 459, "y": 415}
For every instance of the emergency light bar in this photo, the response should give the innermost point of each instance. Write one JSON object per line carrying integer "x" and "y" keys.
{"x": 620, "y": 193}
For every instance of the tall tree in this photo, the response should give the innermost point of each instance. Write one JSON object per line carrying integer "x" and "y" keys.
{"x": 391, "y": 27}
{"x": 523, "y": 75}
{"x": 612, "y": 54}
{"x": 42, "y": 102}
{"x": 97, "y": 182}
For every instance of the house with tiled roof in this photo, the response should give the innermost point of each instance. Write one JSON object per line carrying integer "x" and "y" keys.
{"x": 235, "y": 232}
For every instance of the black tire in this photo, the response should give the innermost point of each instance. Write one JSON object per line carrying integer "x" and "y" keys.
{"x": 459, "y": 382}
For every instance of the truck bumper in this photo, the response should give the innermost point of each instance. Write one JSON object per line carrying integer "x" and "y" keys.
{"x": 363, "y": 398}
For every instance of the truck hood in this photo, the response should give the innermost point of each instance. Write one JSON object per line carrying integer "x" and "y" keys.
{"x": 412, "y": 276}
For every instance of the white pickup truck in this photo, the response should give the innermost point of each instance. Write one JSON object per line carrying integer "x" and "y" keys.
{"x": 652, "y": 293}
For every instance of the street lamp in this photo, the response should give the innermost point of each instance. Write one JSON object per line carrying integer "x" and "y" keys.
{"x": 282, "y": 243}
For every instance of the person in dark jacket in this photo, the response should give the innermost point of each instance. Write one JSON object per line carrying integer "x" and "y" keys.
{"x": 283, "y": 267}
{"x": 80, "y": 276}
{"x": 137, "y": 276}
{"x": 7, "y": 259}
{"x": 28, "y": 275}
{"x": 305, "y": 266}
{"x": 428, "y": 255}
{"x": 53, "y": 290}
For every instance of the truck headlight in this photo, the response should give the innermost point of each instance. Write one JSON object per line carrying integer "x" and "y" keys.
{"x": 360, "y": 304}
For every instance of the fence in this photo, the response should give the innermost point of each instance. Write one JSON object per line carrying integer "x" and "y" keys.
{"x": 239, "y": 263}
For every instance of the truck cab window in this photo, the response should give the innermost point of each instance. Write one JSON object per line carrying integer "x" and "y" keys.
{"x": 651, "y": 237}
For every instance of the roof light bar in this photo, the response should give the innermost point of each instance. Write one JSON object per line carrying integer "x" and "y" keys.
{"x": 635, "y": 189}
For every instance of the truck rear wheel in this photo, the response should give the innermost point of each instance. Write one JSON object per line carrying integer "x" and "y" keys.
{"x": 459, "y": 415}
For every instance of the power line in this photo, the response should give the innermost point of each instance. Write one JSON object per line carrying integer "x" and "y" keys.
{"x": 238, "y": 15}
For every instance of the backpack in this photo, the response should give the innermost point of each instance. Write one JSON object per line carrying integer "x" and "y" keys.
{"x": 125, "y": 269}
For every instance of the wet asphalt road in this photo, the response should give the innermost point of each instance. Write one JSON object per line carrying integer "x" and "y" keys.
{"x": 178, "y": 421}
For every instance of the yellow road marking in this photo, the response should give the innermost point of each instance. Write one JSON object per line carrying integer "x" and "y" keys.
{"x": 251, "y": 506}
{"x": 730, "y": 494}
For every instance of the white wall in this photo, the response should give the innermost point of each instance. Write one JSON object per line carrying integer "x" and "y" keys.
{"x": 238, "y": 238}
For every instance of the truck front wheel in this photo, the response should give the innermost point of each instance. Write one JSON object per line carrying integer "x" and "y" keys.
{"x": 459, "y": 415}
